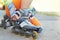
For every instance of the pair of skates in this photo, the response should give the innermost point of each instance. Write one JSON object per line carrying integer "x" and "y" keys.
{"x": 22, "y": 26}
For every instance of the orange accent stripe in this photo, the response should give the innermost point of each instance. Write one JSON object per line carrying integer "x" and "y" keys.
{"x": 7, "y": 11}
{"x": 17, "y": 3}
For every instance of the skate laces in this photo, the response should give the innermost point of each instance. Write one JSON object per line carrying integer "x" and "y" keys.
{"x": 26, "y": 12}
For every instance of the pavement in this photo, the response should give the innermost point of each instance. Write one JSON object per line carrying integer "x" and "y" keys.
{"x": 50, "y": 25}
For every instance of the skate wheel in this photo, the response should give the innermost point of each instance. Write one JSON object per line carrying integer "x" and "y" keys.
{"x": 21, "y": 34}
{"x": 0, "y": 25}
{"x": 13, "y": 31}
{"x": 16, "y": 33}
{"x": 33, "y": 39}
{"x": 35, "y": 35}
{"x": 3, "y": 23}
{"x": 27, "y": 36}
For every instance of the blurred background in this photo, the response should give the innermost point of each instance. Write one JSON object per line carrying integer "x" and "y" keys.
{"x": 47, "y": 7}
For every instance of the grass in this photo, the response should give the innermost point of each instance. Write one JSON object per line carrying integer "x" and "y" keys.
{"x": 50, "y": 13}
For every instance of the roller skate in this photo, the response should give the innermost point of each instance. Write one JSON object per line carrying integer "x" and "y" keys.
{"x": 26, "y": 25}
{"x": 27, "y": 29}
{"x": 6, "y": 22}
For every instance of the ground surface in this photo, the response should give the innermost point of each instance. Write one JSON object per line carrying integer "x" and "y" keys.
{"x": 51, "y": 29}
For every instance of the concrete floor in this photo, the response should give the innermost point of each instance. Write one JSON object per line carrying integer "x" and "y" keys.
{"x": 50, "y": 25}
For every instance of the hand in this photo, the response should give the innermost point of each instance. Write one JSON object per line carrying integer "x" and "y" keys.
{"x": 16, "y": 16}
